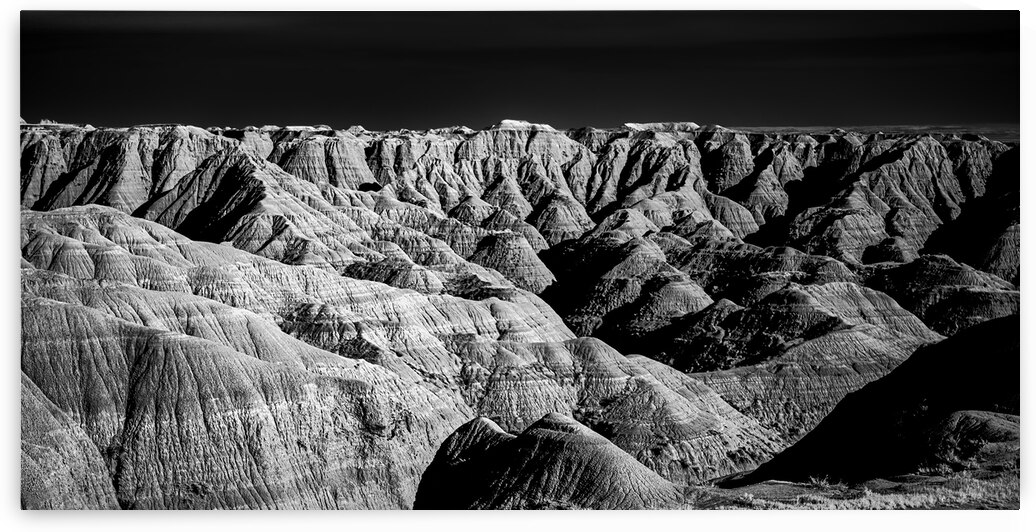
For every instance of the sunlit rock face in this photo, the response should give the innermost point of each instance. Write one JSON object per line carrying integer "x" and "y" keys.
{"x": 179, "y": 420}
{"x": 852, "y": 197}
{"x": 304, "y": 317}
{"x": 122, "y": 168}
{"x": 903, "y": 188}
{"x": 556, "y": 463}
{"x": 507, "y": 356}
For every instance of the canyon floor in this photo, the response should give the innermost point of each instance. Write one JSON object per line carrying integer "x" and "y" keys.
{"x": 650, "y": 316}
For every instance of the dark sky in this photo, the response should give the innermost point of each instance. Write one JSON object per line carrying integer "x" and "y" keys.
{"x": 421, "y": 70}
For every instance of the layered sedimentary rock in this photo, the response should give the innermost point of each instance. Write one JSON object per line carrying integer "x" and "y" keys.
{"x": 728, "y": 335}
{"x": 728, "y": 159}
{"x": 218, "y": 187}
{"x": 556, "y": 463}
{"x": 187, "y": 403}
{"x": 672, "y": 423}
{"x": 619, "y": 283}
{"x": 939, "y": 407}
{"x": 101, "y": 244}
{"x": 840, "y": 194}
{"x": 761, "y": 275}
{"x": 511, "y": 255}
{"x": 731, "y": 269}
{"x": 338, "y": 160}
{"x": 782, "y": 335}
{"x": 679, "y": 427}
{"x": 477, "y": 212}
{"x": 986, "y": 235}
{"x": 62, "y": 469}
{"x": 121, "y": 168}
{"x": 901, "y": 189}
{"x": 787, "y": 359}
{"x": 917, "y": 181}
{"x": 947, "y": 295}
{"x": 245, "y": 392}
{"x": 507, "y": 356}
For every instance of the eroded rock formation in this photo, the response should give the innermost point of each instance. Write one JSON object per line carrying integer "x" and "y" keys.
{"x": 298, "y": 317}
{"x": 556, "y": 463}
{"x": 512, "y": 360}
{"x": 919, "y": 415}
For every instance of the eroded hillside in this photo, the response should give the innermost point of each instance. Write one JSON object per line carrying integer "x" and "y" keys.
{"x": 300, "y": 317}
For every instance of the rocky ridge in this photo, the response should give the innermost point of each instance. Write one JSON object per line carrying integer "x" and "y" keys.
{"x": 763, "y": 276}
{"x": 512, "y": 360}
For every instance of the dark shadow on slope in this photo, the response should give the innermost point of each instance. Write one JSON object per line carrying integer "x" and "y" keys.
{"x": 952, "y": 403}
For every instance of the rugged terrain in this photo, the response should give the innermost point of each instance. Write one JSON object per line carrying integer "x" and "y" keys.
{"x": 919, "y": 415}
{"x": 511, "y": 317}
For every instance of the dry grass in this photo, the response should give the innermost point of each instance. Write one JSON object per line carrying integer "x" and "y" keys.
{"x": 961, "y": 491}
